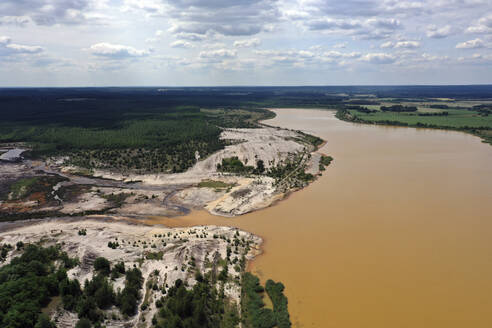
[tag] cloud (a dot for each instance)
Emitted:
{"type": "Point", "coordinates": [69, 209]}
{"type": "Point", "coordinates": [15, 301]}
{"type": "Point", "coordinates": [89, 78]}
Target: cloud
{"type": "Point", "coordinates": [343, 8]}
{"type": "Point", "coordinates": [14, 20]}
{"type": "Point", "coordinates": [401, 45]}
{"type": "Point", "coordinates": [439, 33]}
{"type": "Point", "coordinates": [385, 23]}
{"type": "Point", "coordinates": [48, 12]}
{"type": "Point", "coordinates": [181, 44]}
{"type": "Point", "coordinates": [366, 29]}
{"type": "Point", "coordinates": [230, 18]}
{"type": "Point", "coordinates": [116, 51]}
{"type": "Point", "coordinates": [249, 43]}
{"type": "Point", "coordinates": [287, 57]}
{"type": "Point", "coordinates": [191, 36]}
{"type": "Point", "coordinates": [378, 58]}
{"type": "Point", "coordinates": [332, 24]}
{"type": "Point", "coordinates": [337, 54]}
{"type": "Point", "coordinates": [476, 59]}
{"type": "Point", "coordinates": [484, 26]}
{"type": "Point", "coordinates": [340, 45]}
{"type": "Point", "coordinates": [218, 54]}
{"type": "Point", "coordinates": [303, 58]}
{"type": "Point", "coordinates": [150, 7]}
{"type": "Point", "coordinates": [8, 48]}
{"type": "Point", "coordinates": [471, 44]}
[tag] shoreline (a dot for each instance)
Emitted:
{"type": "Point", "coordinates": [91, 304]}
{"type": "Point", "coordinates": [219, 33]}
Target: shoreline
{"type": "Point", "coordinates": [341, 115]}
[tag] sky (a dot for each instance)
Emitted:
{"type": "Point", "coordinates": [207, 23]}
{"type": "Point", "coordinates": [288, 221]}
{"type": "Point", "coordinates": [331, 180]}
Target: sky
{"type": "Point", "coordinates": [244, 42]}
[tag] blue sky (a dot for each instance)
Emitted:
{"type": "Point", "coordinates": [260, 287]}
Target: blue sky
{"type": "Point", "coordinates": [244, 42]}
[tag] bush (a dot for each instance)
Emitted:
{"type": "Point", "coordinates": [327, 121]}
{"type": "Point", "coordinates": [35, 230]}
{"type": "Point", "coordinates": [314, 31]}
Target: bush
{"type": "Point", "coordinates": [102, 265]}
{"type": "Point", "coordinates": [44, 322]}
{"type": "Point", "coordinates": [83, 323]}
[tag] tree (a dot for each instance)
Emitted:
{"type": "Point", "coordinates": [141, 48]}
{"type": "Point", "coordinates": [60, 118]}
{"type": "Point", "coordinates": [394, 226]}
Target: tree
{"type": "Point", "coordinates": [102, 265]}
{"type": "Point", "coordinates": [83, 323]}
{"type": "Point", "coordinates": [104, 296]}
{"type": "Point", "coordinates": [44, 322]}
{"type": "Point", "coordinates": [260, 166]}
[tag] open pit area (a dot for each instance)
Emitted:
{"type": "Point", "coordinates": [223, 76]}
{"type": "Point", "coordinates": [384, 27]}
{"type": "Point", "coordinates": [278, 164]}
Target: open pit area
{"type": "Point", "coordinates": [163, 255]}
{"type": "Point", "coordinates": [51, 188]}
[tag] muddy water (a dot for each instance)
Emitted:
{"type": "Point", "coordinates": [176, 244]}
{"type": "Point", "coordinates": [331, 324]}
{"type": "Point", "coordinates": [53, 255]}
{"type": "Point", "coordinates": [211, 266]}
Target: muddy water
{"type": "Point", "coordinates": [397, 232]}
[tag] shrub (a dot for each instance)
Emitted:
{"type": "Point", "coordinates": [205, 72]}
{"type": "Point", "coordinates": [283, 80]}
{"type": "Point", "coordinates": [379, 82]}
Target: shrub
{"type": "Point", "coordinates": [102, 265]}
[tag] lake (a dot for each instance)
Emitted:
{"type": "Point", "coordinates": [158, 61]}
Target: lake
{"type": "Point", "coordinates": [396, 233]}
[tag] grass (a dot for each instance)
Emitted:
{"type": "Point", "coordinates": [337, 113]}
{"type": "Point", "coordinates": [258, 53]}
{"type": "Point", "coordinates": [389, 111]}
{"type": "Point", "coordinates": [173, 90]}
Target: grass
{"type": "Point", "coordinates": [465, 120]}
{"type": "Point", "coordinates": [22, 187]}
{"type": "Point", "coordinates": [26, 187]}
{"type": "Point", "coordinates": [456, 119]}
{"type": "Point", "coordinates": [117, 200]}
{"type": "Point", "coordinates": [214, 184]}
{"type": "Point", "coordinates": [155, 255]}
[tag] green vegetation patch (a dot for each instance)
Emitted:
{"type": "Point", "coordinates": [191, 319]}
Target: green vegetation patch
{"type": "Point", "coordinates": [276, 293]}
{"type": "Point", "coordinates": [203, 306]}
{"type": "Point", "coordinates": [22, 187]}
{"type": "Point", "coordinates": [234, 165]}
{"type": "Point", "coordinates": [468, 120]}
{"type": "Point", "coordinates": [324, 161]}
{"type": "Point", "coordinates": [154, 255]}
{"type": "Point", "coordinates": [25, 187]}
{"type": "Point", "coordinates": [28, 284]}
{"type": "Point", "coordinates": [117, 200]}
{"type": "Point", "coordinates": [214, 184]}
{"type": "Point", "coordinates": [461, 119]}
{"type": "Point", "coordinates": [254, 313]}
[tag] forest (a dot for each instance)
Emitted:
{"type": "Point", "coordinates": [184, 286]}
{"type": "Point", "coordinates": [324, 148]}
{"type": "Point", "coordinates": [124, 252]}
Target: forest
{"type": "Point", "coordinates": [37, 275]}
{"type": "Point", "coordinates": [145, 130]}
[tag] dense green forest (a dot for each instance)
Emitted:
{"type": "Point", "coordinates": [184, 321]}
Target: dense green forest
{"type": "Point", "coordinates": [138, 131]}
{"type": "Point", "coordinates": [165, 130]}
{"type": "Point", "coordinates": [29, 282]}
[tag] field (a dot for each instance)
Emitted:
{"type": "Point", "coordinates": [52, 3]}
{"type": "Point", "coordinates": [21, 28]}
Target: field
{"type": "Point", "coordinates": [455, 119]}
{"type": "Point", "coordinates": [472, 116]}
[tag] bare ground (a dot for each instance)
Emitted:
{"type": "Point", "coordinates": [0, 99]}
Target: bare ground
{"type": "Point", "coordinates": [205, 244]}
{"type": "Point", "coordinates": [169, 194]}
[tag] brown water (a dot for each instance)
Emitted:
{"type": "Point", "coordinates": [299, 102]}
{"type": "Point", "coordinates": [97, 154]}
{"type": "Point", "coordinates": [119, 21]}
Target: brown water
{"type": "Point", "coordinates": [397, 232]}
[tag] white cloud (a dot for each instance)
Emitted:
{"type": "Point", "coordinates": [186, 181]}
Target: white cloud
{"type": "Point", "coordinates": [337, 54]}
{"type": "Point", "coordinates": [8, 48]}
{"type": "Point", "coordinates": [181, 44]}
{"type": "Point", "coordinates": [49, 12]}
{"type": "Point", "coordinates": [401, 45]}
{"type": "Point", "coordinates": [14, 20]}
{"type": "Point", "coordinates": [249, 43]}
{"type": "Point", "coordinates": [388, 44]}
{"type": "Point", "coordinates": [484, 26]}
{"type": "Point", "coordinates": [385, 23]}
{"type": "Point", "coordinates": [471, 44]}
{"type": "Point", "coordinates": [327, 23]}
{"type": "Point", "coordinates": [218, 54]}
{"type": "Point", "coordinates": [191, 36]}
{"type": "Point", "coordinates": [476, 59]}
{"type": "Point", "coordinates": [231, 18]}
{"type": "Point", "coordinates": [116, 51]}
{"type": "Point", "coordinates": [378, 58]}
{"type": "Point", "coordinates": [439, 33]}
{"type": "Point", "coordinates": [340, 45]}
